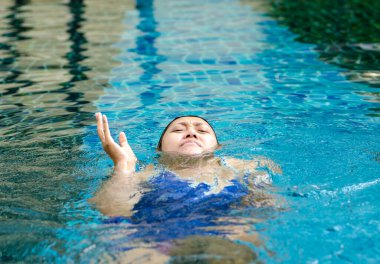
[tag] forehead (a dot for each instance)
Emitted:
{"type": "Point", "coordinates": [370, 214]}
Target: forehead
{"type": "Point", "coordinates": [189, 120]}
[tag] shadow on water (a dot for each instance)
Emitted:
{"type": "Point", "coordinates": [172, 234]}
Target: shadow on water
{"type": "Point", "coordinates": [346, 34]}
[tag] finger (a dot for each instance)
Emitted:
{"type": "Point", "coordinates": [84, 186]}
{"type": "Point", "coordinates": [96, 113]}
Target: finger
{"type": "Point", "coordinates": [106, 129]}
{"type": "Point", "coordinates": [123, 140]}
{"type": "Point", "coordinates": [100, 127]}
{"type": "Point", "coordinates": [124, 144]}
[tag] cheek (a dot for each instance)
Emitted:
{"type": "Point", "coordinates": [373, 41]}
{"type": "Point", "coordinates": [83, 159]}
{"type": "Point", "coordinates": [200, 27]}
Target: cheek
{"type": "Point", "coordinates": [170, 142]}
{"type": "Point", "coordinates": [210, 142]}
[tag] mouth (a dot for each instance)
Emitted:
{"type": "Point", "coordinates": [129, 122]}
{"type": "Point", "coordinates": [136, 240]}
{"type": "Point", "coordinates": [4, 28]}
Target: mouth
{"type": "Point", "coordinates": [190, 142]}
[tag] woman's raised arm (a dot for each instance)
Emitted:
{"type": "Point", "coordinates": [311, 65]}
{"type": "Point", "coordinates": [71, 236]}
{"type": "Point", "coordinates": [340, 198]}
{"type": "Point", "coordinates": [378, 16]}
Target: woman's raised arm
{"type": "Point", "coordinates": [123, 190]}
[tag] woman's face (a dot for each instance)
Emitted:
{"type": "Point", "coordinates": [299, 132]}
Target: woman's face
{"type": "Point", "coordinates": [189, 136]}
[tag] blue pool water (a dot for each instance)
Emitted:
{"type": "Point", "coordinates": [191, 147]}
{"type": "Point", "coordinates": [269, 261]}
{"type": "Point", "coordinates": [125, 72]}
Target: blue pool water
{"type": "Point", "coordinates": [228, 61]}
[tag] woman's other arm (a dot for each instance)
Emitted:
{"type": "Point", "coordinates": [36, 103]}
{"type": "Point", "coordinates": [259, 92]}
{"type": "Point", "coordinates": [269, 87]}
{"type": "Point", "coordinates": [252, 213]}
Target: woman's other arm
{"type": "Point", "coordinates": [257, 169]}
{"type": "Point", "coordinates": [253, 166]}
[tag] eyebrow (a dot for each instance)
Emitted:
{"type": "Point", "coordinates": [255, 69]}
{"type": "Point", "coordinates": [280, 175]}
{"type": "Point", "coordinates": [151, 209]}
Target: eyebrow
{"type": "Point", "coordinates": [195, 124]}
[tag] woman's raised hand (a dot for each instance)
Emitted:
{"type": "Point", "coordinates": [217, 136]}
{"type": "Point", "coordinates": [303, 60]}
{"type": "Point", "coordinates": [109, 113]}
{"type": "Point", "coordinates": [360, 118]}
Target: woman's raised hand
{"type": "Point", "coordinates": [122, 155]}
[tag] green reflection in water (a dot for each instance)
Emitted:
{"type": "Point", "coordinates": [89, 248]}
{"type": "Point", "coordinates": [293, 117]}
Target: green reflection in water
{"type": "Point", "coordinates": [346, 34]}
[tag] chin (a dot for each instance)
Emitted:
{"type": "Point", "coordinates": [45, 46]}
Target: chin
{"type": "Point", "coordinates": [191, 152]}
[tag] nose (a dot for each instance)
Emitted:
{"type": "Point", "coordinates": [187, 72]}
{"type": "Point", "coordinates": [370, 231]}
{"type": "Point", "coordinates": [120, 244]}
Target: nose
{"type": "Point", "coordinates": [191, 133]}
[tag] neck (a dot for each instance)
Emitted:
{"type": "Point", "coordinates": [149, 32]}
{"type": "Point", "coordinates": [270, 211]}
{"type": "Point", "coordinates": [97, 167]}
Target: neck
{"type": "Point", "coordinates": [175, 161]}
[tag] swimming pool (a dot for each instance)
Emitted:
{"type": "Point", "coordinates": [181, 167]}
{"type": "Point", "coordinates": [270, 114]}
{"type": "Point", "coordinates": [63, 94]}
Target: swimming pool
{"type": "Point", "coordinates": [265, 93]}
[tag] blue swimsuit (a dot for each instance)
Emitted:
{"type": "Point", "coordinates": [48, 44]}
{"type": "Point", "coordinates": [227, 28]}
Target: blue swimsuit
{"type": "Point", "coordinates": [173, 209]}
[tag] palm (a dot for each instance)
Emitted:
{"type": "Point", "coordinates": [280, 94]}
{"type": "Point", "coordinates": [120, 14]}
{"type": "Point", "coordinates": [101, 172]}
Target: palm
{"type": "Point", "coordinates": [121, 153]}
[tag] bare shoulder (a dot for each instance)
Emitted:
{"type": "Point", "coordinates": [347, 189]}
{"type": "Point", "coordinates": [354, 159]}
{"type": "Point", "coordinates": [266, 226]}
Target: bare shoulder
{"type": "Point", "coordinates": [253, 164]}
{"type": "Point", "coordinates": [139, 176]}
{"type": "Point", "coordinates": [146, 173]}
{"type": "Point", "coordinates": [240, 164]}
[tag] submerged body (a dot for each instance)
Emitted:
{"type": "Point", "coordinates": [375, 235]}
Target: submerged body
{"type": "Point", "coordinates": [191, 195]}
{"type": "Point", "coordinates": [120, 195]}
{"type": "Point", "coordinates": [175, 216]}
{"type": "Point", "coordinates": [170, 201]}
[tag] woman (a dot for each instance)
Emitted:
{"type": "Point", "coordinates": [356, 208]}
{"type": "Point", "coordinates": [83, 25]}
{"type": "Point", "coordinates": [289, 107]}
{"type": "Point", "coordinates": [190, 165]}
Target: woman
{"type": "Point", "coordinates": [190, 189]}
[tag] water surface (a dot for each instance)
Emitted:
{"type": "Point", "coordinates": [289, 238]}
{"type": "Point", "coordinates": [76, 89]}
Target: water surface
{"type": "Point", "coordinates": [229, 61]}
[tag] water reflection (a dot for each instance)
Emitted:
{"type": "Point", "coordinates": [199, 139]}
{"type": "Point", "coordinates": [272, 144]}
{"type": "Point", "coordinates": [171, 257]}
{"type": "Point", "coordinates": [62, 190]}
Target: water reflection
{"type": "Point", "coordinates": [75, 56]}
{"type": "Point", "coordinates": [345, 34]}
{"type": "Point", "coordinates": [145, 48]}
{"type": "Point", "coordinates": [16, 29]}
{"type": "Point", "coordinates": [50, 75]}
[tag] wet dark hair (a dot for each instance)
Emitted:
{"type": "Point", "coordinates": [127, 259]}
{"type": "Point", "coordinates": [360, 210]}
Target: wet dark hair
{"type": "Point", "coordinates": [159, 145]}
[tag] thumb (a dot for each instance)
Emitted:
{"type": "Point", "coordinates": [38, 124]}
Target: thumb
{"type": "Point", "coordinates": [123, 139]}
